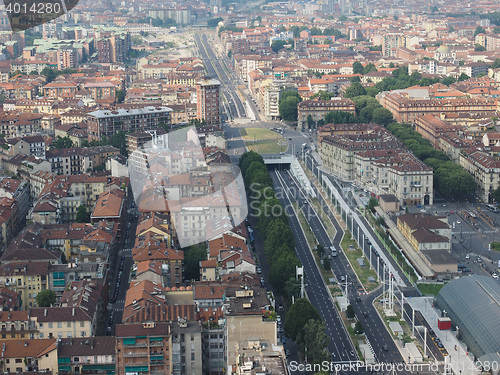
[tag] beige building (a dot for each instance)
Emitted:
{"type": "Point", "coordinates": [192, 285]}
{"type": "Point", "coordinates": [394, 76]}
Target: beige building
{"type": "Point", "coordinates": [61, 322]}
{"type": "Point", "coordinates": [26, 278]}
{"type": "Point", "coordinates": [29, 355]}
{"type": "Point", "coordinates": [338, 151]}
{"type": "Point", "coordinates": [318, 109]}
{"type": "Point", "coordinates": [425, 232]}
{"type": "Point", "coordinates": [486, 172]}
{"type": "Point", "coordinates": [245, 322]}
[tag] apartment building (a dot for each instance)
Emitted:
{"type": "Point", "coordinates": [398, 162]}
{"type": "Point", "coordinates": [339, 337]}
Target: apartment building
{"type": "Point", "coordinates": [208, 101]}
{"type": "Point", "coordinates": [318, 109]}
{"type": "Point", "coordinates": [474, 69]}
{"type": "Point", "coordinates": [139, 139]}
{"type": "Point", "coordinates": [106, 123]}
{"type": "Point", "coordinates": [144, 348]}
{"type": "Point", "coordinates": [15, 325]}
{"type": "Point", "coordinates": [432, 128]}
{"type": "Point", "coordinates": [96, 355]}
{"type": "Point", "coordinates": [271, 97]}
{"type": "Point", "coordinates": [59, 322]}
{"type": "Point", "coordinates": [396, 172]}
{"type": "Point", "coordinates": [20, 124]}
{"type": "Point", "coordinates": [19, 356]}
{"type": "Point", "coordinates": [337, 152]}
{"type": "Point", "coordinates": [486, 172]}
{"type": "Point", "coordinates": [26, 278]}
{"type": "Point", "coordinates": [60, 89]}
{"type": "Point", "coordinates": [406, 109]}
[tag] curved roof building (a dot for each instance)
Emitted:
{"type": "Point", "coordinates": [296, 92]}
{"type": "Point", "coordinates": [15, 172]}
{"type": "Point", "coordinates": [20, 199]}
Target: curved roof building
{"type": "Point", "coordinates": [473, 304]}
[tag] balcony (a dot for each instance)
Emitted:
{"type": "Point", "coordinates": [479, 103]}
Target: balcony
{"type": "Point", "coordinates": [135, 355]}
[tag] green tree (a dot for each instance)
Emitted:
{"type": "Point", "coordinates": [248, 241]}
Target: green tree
{"type": "Point", "coordinates": [310, 122]}
{"type": "Point", "coordinates": [479, 48]}
{"type": "Point", "coordinates": [120, 96]}
{"type": "Point", "coordinates": [382, 116]}
{"type": "Point", "coordinates": [372, 203]}
{"type": "Point", "coordinates": [320, 250]}
{"type": "Point", "coordinates": [448, 80]}
{"type": "Point", "coordinates": [463, 77]}
{"type": "Point", "coordinates": [193, 255]}
{"type": "Point", "coordinates": [370, 67]}
{"type": "Point", "coordinates": [119, 140]}
{"type": "Point", "coordinates": [213, 22]}
{"type": "Point", "coordinates": [356, 89]}
{"type": "Point", "coordinates": [315, 341]}
{"type": "Point", "coordinates": [288, 108]}
{"type": "Point", "coordinates": [49, 73]}
{"type": "Point", "coordinates": [326, 265]}
{"type": "Point", "coordinates": [297, 317]}
{"type": "Point", "coordinates": [496, 30]}
{"type": "Point", "coordinates": [82, 216]}
{"type": "Point", "coordinates": [61, 142]}
{"type": "Point", "coordinates": [496, 195]}
{"type": "Point", "coordinates": [496, 64]}
{"type": "Point", "coordinates": [349, 313]}
{"type": "Point", "coordinates": [277, 235]}
{"type": "Point", "coordinates": [357, 68]}
{"type": "Point", "coordinates": [358, 328]}
{"type": "Point", "coordinates": [278, 45]}
{"type": "Point", "coordinates": [247, 158]}
{"type": "Point", "coordinates": [45, 298]}
{"type": "Point", "coordinates": [282, 270]}
{"type": "Point", "coordinates": [479, 30]}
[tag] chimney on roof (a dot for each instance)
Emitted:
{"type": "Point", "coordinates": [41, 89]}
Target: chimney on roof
{"type": "Point", "coordinates": [45, 312]}
{"type": "Point", "coordinates": [73, 311]}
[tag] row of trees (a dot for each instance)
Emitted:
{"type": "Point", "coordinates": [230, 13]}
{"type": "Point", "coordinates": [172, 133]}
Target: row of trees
{"type": "Point", "coordinates": [450, 179]}
{"type": "Point", "coordinates": [279, 243]}
{"type": "Point", "coordinates": [399, 81]}
{"type": "Point", "coordinates": [303, 322]}
{"type": "Point", "coordinates": [304, 326]}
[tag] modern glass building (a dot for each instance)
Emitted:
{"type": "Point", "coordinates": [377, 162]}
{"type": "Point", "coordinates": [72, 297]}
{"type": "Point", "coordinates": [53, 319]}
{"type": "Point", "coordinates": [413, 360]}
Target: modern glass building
{"type": "Point", "coordinates": [473, 304]}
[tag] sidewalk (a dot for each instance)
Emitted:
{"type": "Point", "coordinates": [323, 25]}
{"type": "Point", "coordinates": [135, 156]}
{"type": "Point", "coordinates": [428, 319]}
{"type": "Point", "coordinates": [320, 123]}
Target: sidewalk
{"type": "Point", "coordinates": [458, 360]}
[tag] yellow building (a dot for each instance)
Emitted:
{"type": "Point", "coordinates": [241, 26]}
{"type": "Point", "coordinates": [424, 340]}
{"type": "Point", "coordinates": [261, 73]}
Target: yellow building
{"type": "Point", "coordinates": [14, 325]}
{"type": "Point", "coordinates": [29, 355]}
{"type": "Point", "coordinates": [61, 322]}
{"type": "Point", "coordinates": [26, 278]}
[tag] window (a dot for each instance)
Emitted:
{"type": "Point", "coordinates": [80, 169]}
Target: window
{"type": "Point", "coordinates": [50, 324]}
{"type": "Point", "coordinates": [82, 324]}
{"type": "Point", "coordinates": [68, 324]}
{"type": "Point", "coordinates": [59, 324]}
{"type": "Point", "coordinates": [19, 360]}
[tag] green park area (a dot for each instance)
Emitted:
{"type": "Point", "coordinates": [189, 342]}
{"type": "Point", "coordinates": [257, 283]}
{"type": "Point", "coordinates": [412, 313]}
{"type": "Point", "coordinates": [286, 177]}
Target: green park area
{"type": "Point", "coordinates": [263, 141]}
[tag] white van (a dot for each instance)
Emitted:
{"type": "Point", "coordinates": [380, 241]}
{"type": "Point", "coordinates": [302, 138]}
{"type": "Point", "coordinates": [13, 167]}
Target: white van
{"type": "Point", "coordinates": [333, 251]}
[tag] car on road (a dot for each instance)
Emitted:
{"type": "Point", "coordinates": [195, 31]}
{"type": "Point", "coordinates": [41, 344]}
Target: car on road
{"type": "Point", "coordinates": [287, 353]}
{"type": "Point", "coordinates": [358, 299]}
{"type": "Point", "coordinates": [385, 347]}
{"type": "Point", "coordinates": [108, 331]}
{"type": "Point", "coordinates": [283, 340]}
{"type": "Point", "coordinates": [365, 314]}
{"type": "Point", "coordinates": [278, 319]}
{"type": "Point", "coordinates": [259, 270]}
